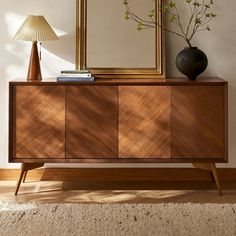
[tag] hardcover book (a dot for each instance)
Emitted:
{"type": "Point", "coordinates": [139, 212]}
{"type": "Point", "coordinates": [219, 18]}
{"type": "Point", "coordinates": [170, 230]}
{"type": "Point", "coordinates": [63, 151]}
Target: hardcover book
{"type": "Point", "coordinates": [74, 75]}
{"type": "Point", "coordinates": [75, 71]}
{"type": "Point", "coordinates": [75, 79]}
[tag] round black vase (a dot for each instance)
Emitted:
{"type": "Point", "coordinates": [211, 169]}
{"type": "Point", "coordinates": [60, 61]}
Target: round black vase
{"type": "Point", "coordinates": [191, 62]}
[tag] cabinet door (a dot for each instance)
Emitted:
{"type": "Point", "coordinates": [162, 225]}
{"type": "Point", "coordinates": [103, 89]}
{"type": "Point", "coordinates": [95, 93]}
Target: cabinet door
{"type": "Point", "coordinates": [39, 122]}
{"type": "Point", "coordinates": [144, 122]}
{"type": "Point", "coordinates": [198, 122]}
{"type": "Point", "coordinates": [92, 122]}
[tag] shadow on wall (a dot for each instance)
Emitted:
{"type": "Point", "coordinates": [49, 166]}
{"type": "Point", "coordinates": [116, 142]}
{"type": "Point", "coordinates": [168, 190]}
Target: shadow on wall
{"type": "Point", "coordinates": [14, 55]}
{"type": "Point", "coordinates": [62, 51]}
{"type": "Point", "coordinates": [220, 47]}
{"type": "Point", "coordinates": [219, 44]}
{"type": "Point", "coordinates": [58, 47]}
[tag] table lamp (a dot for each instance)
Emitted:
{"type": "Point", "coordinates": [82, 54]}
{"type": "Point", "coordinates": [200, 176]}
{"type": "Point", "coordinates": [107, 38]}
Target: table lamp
{"type": "Point", "coordinates": [35, 29]}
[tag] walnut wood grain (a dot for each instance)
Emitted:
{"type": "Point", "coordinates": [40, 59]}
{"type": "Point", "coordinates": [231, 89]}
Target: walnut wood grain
{"type": "Point", "coordinates": [92, 122]}
{"type": "Point", "coordinates": [40, 122]}
{"type": "Point", "coordinates": [35, 138]}
{"type": "Point", "coordinates": [210, 81]}
{"type": "Point", "coordinates": [198, 122]}
{"type": "Point", "coordinates": [121, 160]}
{"type": "Point", "coordinates": [144, 122]}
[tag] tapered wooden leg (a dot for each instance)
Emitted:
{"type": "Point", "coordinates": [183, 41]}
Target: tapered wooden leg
{"type": "Point", "coordinates": [212, 177]}
{"type": "Point", "coordinates": [214, 172]}
{"type": "Point", "coordinates": [24, 169]}
{"type": "Point", "coordinates": [22, 172]}
{"type": "Point", "coordinates": [24, 176]}
{"type": "Point", "coordinates": [212, 169]}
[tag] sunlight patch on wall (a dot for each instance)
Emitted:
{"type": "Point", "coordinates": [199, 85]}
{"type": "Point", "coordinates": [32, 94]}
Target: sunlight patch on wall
{"type": "Point", "coordinates": [51, 64]}
{"type": "Point", "coordinates": [13, 22]}
{"type": "Point", "coordinates": [59, 32]}
{"type": "Point", "coordinates": [21, 52]}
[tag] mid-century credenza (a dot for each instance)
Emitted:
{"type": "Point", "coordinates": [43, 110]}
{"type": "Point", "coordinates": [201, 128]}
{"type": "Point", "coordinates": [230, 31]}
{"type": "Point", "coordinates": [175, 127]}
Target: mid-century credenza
{"type": "Point", "coordinates": [119, 121]}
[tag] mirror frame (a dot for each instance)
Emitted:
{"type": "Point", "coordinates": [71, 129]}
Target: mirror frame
{"type": "Point", "coordinates": [158, 72]}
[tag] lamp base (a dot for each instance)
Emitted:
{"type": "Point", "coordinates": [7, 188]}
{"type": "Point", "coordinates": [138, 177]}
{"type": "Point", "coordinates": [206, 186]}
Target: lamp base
{"type": "Point", "coordinates": [34, 71]}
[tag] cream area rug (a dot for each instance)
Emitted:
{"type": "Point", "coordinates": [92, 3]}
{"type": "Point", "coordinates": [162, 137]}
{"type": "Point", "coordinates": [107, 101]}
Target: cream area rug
{"type": "Point", "coordinates": [117, 219]}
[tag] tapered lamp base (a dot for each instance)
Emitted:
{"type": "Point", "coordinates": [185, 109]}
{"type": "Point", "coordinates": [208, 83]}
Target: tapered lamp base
{"type": "Point", "coordinates": [34, 71]}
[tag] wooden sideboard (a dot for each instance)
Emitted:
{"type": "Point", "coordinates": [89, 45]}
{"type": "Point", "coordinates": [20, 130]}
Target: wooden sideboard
{"type": "Point", "coordinates": [119, 121]}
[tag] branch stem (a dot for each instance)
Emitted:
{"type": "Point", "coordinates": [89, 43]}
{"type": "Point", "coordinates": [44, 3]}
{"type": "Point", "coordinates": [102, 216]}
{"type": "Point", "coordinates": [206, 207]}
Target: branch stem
{"type": "Point", "coordinates": [199, 18]}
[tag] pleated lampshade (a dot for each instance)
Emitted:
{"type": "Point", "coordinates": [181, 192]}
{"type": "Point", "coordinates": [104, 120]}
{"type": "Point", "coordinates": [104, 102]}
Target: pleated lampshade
{"type": "Point", "coordinates": [35, 28]}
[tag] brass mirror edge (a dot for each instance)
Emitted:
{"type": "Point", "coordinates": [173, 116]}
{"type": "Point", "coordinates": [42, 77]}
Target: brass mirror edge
{"type": "Point", "coordinates": [80, 26]}
{"type": "Point", "coordinates": [136, 73]}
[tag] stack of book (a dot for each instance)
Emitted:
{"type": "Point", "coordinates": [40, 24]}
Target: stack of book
{"type": "Point", "coordinates": [75, 76]}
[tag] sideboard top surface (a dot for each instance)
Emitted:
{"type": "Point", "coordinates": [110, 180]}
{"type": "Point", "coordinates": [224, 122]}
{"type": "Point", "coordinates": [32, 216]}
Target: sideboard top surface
{"type": "Point", "coordinates": [158, 82]}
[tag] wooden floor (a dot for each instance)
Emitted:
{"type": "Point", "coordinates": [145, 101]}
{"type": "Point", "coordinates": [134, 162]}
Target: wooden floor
{"type": "Point", "coordinates": [118, 192]}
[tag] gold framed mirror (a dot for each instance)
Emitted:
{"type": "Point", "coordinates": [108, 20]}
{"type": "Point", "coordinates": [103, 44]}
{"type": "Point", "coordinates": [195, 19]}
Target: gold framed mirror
{"type": "Point", "coordinates": [111, 47]}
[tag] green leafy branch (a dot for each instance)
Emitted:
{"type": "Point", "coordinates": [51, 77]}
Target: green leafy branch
{"type": "Point", "coordinates": [200, 17]}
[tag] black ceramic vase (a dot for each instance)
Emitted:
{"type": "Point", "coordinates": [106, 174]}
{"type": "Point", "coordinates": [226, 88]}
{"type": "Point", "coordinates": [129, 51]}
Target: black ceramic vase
{"type": "Point", "coordinates": [191, 62]}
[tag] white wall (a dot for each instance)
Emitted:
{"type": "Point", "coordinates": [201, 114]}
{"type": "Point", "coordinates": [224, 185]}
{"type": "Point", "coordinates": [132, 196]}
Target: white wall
{"type": "Point", "coordinates": [14, 55]}
{"type": "Point", "coordinates": [219, 45]}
